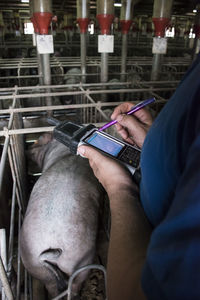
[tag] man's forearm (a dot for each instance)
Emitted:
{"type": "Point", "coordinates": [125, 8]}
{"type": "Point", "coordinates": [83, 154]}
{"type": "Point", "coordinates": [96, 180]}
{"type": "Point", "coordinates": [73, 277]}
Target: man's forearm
{"type": "Point", "coordinates": [129, 238]}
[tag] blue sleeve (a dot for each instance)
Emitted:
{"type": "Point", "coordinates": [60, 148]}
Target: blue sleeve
{"type": "Point", "coordinates": [172, 268]}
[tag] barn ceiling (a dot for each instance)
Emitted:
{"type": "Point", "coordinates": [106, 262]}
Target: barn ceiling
{"type": "Point", "coordinates": [144, 7]}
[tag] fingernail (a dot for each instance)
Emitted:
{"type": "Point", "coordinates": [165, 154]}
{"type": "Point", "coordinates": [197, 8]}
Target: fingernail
{"type": "Point", "coordinates": [81, 150]}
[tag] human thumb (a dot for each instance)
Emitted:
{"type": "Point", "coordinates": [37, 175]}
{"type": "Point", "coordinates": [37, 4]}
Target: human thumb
{"type": "Point", "coordinates": [88, 152]}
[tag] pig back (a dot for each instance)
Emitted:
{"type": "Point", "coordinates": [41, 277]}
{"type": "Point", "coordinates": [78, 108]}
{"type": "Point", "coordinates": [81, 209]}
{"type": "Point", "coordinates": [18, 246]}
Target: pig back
{"type": "Point", "coordinates": [62, 216]}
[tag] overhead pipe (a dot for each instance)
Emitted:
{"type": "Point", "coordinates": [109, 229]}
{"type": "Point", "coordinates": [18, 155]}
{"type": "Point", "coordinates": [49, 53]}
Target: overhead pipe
{"type": "Point", "coordinates": [161, 19]}
{"type": "Point", "coordinates": [83, 21]}
{"type": "Point", "coordinates": [105, 17]}
{"type": "Point", "coordinates": [126, 21]}
{"type": "Point", "coordinates": [42, 16]}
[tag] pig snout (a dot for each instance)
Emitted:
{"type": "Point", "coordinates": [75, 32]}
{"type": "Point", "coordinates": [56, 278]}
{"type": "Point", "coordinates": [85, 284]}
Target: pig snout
{"type": "Point", "coordinates": [59, 231]}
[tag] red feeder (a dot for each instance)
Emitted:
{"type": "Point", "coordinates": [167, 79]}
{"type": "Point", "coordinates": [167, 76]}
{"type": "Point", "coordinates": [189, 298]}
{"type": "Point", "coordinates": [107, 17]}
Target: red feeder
{"type": "Point", "coordinates": [83, 24]}
{"type": "Point", "coordinates": [125, 24]}
{"type": "Point", "coordinates": [160, 25]}
{"type": "Point", "coordinates": [43, 20]}
{"type": "Point", "coordinates": [36, 29]}
{"type": "Point", "coordinates": [105, 22]}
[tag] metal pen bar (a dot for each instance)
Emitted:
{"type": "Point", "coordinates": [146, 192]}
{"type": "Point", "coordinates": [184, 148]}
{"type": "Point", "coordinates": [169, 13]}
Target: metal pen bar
{"type": "Point", "coordinates": [18, 258]}
{"type": "Point", "coordinates": [12, 224]}
{"type": "Point", "coordinates": [6, 144]}
{"type": "Point", "coordinates": [4, 281]}
{"type": "Point", "coordinates": [3, 254]}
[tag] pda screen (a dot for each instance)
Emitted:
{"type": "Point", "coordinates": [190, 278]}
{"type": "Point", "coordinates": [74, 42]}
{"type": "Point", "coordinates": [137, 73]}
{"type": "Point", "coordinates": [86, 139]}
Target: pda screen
{"type": "Point", "coordinates": [105, 143]}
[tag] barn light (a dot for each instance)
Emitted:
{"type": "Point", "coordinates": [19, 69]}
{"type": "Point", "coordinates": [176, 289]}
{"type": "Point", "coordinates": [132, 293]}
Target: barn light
{"type": "Point", "coordinates": [117, 4]}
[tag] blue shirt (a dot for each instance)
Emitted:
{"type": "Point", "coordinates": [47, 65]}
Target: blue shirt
{"type": "Point", "coordinates": [170, 195]}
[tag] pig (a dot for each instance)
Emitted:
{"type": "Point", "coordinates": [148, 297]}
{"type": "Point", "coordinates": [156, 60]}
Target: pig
{"type": "Point", "coordinates": [59, 230]}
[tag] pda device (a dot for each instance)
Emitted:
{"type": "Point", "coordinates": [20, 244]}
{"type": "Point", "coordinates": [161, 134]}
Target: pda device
{"type": "Point", "coordinates": [73, 135]}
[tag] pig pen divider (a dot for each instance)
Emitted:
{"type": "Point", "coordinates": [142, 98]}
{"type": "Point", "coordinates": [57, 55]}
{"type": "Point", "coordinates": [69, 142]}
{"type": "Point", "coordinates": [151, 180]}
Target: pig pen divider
{"type": "Point", "coordinates": [20, 125]}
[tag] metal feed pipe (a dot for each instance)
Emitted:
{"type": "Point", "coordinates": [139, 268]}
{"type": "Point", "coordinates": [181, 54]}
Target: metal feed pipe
{"type": "Point", "coordinates": [42, 14]}
{"type": "Point", "coordinates": [161, 18]}
{"type": "Point", "coordinates": [105, 16]}
{"type": "Point", "coordinates": [126, 21]}
{"type": "Point", "coordinates": [83, 21]}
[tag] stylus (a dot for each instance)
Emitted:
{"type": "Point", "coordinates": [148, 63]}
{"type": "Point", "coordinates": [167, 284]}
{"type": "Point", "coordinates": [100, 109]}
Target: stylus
{"type": "Point", "coordinates": [133, 109]}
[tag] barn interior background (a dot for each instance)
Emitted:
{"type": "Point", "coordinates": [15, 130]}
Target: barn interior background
{"type": "Point", "coordinates": [77, 60]}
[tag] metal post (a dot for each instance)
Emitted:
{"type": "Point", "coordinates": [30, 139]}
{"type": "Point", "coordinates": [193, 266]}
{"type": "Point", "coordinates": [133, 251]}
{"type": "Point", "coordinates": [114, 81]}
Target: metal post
{"type": "Point", "coordinates": [47, 77]}
{"type": "Point", "coordinates": [104, 72]}
{"type": "Point", "coordinates": [161, 18]}
{"type": "Point", "coordinates": [42, 15]}
{"type": "Point", "coordinates": [83, 56]}
{"type": "Point", "coordinates": [126, 21]}
{"type": "Point", "coordinates": [105, 16]}
{"type": "Point", "coordinates": [104, 67]}
{"type": "Point", "coordinates": [39, 60]}
{"type": "Point", "coordinates": [124, 57]}
{"type": "Point", "coordinates": [156, 66]}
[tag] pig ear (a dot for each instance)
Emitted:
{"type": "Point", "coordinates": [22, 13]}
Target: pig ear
{"type": "Point", "coordinates": [37, 151]}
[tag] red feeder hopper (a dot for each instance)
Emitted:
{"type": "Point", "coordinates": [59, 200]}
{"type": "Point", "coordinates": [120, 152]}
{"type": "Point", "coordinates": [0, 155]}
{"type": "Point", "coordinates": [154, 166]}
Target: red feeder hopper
{"type": "Point", "coordinates": [43, 21]}
{"type": "Point", "coordinates": [160, 25]}
{"type": "Point", "coordinates": [36, 29]}
{"type": "Point", "coordinates": [105, 22]}
{"type": "Point", "coordinates": [83, 24]}
{"type": "Point", "coordinates": [125, 24]}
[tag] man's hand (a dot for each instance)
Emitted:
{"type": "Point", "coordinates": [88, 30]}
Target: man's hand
{"type": "Point", "coordinates": [112, 175]}
{"type": "Point", "coordinates": [132, 128]}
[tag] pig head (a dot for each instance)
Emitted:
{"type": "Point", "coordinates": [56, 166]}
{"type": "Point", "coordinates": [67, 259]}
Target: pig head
{"type": "Point", "coordinates": [60, 226]}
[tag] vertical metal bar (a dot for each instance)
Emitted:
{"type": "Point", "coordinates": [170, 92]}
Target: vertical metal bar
{"type": "Point", "coordinates": [104, 73]}
{"type": "Point", "coordinates": [25, 285]}
{"type": "Point", "coordinates": [18, 258]}
{"type": "Point", "coordinates": [19, 155]}
{"type": "Point", "coordinates": [156, 66]}
{"type": "Point", "coordinates": [13, 176]}
{"type": "Point", "coordinates": [40, 68]}
{"type": "Point", "coordinates": [83, 56]}
{"type": "Point", "coordinates": [39, 61]}
{"type": "Point", "coordinates": [30, 287]}
{"type": "Point", "coordinates": [3, 254]}
{"type": "Point", "coordinates": [12, 224]}
{"type": "Point", "coordinates": [21, 204]}
{"type": "Point", "coordinates": [6, 144]}
{"type": "Point", "coordinates": [124, 57]}
{"type": "Point", "coordinates": [3, 159]}
{"type": "Point", "coordinates": [104, 67]}
{"type": "Point", "coordinates": [4, 281]}
{"type": "Point", "coordinates": [47, 78]}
